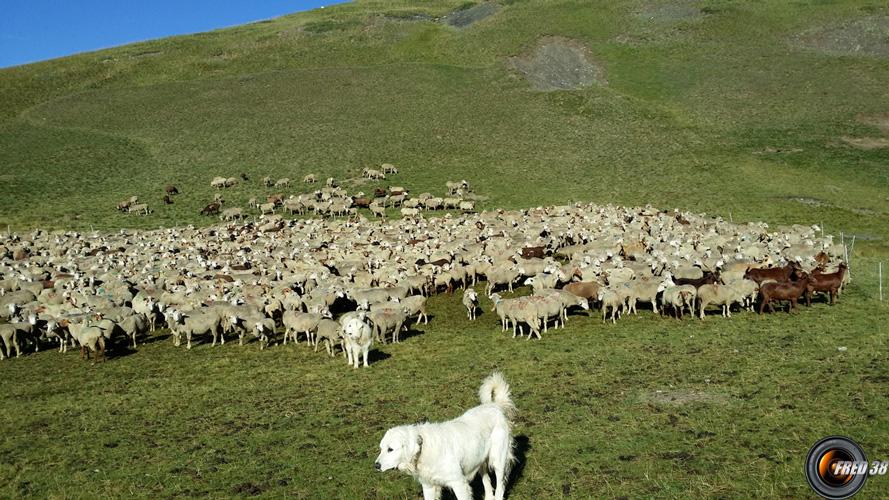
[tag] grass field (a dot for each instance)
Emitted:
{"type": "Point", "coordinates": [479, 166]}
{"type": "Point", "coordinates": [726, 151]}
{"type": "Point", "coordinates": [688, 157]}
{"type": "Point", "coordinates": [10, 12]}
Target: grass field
{"type": "Point", "coordinates": [761, 110]}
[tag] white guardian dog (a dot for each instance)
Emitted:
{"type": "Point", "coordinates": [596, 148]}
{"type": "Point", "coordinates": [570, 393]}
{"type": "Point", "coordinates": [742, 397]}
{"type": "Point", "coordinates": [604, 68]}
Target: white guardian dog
{"type": "Point", "coordinates": [449, 454]}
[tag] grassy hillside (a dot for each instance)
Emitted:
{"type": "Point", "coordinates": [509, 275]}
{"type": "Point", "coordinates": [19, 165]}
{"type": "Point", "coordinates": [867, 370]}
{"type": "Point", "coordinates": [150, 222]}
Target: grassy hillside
{"type": "Point", "coordinates": [767, 110]}
{"type": "Point", "coordinates": [716, 106]}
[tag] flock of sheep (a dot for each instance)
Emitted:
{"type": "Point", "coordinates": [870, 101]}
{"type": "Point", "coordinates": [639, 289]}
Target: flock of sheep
{"type": "Point", "coordinates": [329, 200]}
{"type": "Point", "coordinates": [348, 283]}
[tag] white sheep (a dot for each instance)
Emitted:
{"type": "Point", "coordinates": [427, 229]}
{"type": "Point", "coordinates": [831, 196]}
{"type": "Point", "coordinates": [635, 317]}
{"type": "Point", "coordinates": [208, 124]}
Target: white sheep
{"type": "Point", "coordinates": [679, 298]}
{"type": "Point", "coordinates": [299, 322]}
{"type": "Point", "coordinates": [140, 208]}
{"type": "Point", "coordinates": [470, 302]}
{"type": "Point", "coordinates": [415, 304]}
{"type": "Point", "coordinates": [610, 299]}
{"type": "Point", "coordinates": [267, 208]}
{"type": "Point", "coordinates": [328, 331]}
{"type": "Point", "coordinates": [194, 323]}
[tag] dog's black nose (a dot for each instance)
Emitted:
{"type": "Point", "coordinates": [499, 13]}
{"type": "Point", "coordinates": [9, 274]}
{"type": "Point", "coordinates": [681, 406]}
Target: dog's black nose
{"type": "Point", "coordinates": [377, 466]}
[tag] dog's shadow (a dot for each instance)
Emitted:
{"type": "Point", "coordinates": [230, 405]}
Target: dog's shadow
{"type": "Point", "coordinates": [522, 445]}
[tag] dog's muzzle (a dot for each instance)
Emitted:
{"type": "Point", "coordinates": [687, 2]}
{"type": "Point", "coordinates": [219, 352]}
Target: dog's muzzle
{"type": "Point", "coordinates": [377, 466]}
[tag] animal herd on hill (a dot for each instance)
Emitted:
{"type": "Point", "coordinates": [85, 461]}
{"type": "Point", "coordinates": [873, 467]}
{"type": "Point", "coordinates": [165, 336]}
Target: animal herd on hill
{"type": "Point", "coordinates": [343, 284]}
{"type": "Point", "coordinates": [330, 200]}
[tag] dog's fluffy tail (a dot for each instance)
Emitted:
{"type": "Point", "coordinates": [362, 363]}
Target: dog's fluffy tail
{"type": "Point", "coordinates": [495, 389]}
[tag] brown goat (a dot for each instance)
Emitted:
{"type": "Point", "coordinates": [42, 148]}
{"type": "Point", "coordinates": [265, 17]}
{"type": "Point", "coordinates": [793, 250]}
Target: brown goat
{"type": "Point", "coordinates": [828, 283]}
{"type": "Point", "coordinates": [211, 209]}
{"type": "Point", "coordinates": [533, 252]}
{"type": "Point", "coordinates": [788, 290]}
{"type": "Point", "coordinates": [778, 274]}
{"type": "Point", "coordinates": [707, 279]}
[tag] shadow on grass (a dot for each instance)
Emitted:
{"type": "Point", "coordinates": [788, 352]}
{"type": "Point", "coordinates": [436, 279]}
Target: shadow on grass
{"type": "Point", "coordinates": [376, 356]}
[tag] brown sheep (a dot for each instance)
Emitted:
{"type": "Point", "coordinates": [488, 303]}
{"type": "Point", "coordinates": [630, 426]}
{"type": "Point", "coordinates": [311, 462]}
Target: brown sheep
{"type": "Point", "coordinates": [211, 209]}
{"type": "Point", "coordinates": [171, 189]}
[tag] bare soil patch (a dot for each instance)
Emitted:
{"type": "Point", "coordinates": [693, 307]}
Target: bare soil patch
{"type": "Point", "coordinates": [559, 64]}
{"type": "Point", "coordinates": [878, 120]}
{"type": "Point", "coordinates": [669, 12]}
{"type": "Point", "coordinates": [865, 36]}
{"type": "Point", "coordinates": [866, 143]}
{"type": "Point", "coordinates": [679, 397]}
{"type": "Point", "coordinates": [463, 18]}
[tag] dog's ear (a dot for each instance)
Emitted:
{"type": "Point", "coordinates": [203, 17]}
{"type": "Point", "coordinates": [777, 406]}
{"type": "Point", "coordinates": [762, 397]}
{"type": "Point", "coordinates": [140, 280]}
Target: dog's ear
{"type": "Point", "coordinates": [413, 448]}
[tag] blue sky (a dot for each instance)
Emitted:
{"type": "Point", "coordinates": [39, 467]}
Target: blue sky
{"type": "Point", "coordinates": [34, 30]}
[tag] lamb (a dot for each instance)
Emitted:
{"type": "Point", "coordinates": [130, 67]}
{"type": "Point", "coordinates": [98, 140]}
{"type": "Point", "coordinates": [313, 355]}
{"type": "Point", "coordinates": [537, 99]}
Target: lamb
{"type": "Point", "coordinates": [470, 302]}
{"type": "Point", "coordinates": [358, 339]}
{"type": "Point", "coordinates": [282, 182]}
{"type": "Point", "coordinates": [329, 331]}
{"type": "Point", "coordinates": [262, 329]}
{"type": "Point", "coordinates": [267, 181]}
{"type": "Point", "coordinates": [388, 168]}
{"type": "Point", "coordinates": [295, 322]}
{"type": "Point", "coordinates": [194, 323]}
{"type": "Point", "coordinates": [610, 299]}
{"type": "Point", "coordinates": [310, 179]}
{"type": "Point", "coordinates": [387, 319]}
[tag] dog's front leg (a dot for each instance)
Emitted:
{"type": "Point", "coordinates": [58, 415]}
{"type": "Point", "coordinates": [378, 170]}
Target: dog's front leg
{"type": "Point", "coordinates": [431, 492]}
